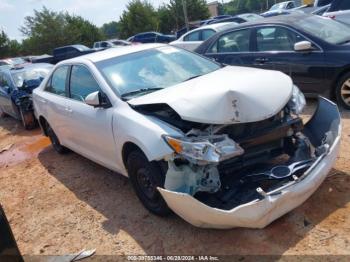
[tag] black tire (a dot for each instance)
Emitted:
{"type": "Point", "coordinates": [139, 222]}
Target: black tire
{"type": "Point", "coordinates": [145, 177]}
{"type": "Point", "coordinates": [342, 91]}
{"type": "Point", "coordinates": [55, 141]}
{"type": "Point", "coordinates": [28, 119]}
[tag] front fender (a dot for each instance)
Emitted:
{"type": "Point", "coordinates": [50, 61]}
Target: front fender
{"type": "Point", "coordinates": [144, 131]}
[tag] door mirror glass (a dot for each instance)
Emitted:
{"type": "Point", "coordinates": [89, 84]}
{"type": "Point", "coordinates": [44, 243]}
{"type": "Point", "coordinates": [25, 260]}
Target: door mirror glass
{"type": "Point", "coordinates": [93, 99]}
{"type": "Point", "coordinates": [303, 46]}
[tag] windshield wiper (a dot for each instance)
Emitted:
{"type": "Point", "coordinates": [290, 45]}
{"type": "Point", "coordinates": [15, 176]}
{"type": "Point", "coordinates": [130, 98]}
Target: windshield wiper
{"type": "Point", "coordinates": [140, 91]}
{"type": "Point", "coordinates": [192, 77]}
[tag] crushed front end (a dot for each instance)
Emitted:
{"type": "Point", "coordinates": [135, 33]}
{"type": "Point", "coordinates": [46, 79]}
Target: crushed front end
{"type": "Point", "coordinates": [249, 174]}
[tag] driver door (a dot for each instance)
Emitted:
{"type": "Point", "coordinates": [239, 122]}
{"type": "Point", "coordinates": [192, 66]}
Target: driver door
{"type": "Point", "coordinates": [273, 48]}
{"type": "Point", "coordinates": [90, 128]}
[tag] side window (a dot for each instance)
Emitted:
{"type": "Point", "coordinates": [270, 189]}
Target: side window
{"type": "Point", "coordinates": [290, 5]}
{"type": "Point", "coordinates": [57, 83]}
{"type": "Point", "coordinates": [195, 36]}
{"type": "Point", "coordinates": [206, 34]}
{"type": "Point", "coordinates": [82, 83]}
{"type": "Point", "coordinates": [276, 39]}
{"type": "Point", "coordinates": [236, 41]}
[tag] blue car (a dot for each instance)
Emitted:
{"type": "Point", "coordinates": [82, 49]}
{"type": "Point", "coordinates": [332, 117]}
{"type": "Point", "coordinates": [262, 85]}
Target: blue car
{"type": "Point", "coordinates": [153, 37]}
{"type": "Point", "coordinates": [16, 87]}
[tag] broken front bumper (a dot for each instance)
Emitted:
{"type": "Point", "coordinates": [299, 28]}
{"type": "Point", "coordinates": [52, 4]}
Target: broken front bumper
{"type": "Point", "coordinates": [261, 212]}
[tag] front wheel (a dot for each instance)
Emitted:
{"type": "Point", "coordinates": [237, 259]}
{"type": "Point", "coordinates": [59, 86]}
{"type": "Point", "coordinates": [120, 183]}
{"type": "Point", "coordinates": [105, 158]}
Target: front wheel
{"type": "Point", "coordinates": [343, 91]}
{"type": "Point", "coordinates": [145, 177]}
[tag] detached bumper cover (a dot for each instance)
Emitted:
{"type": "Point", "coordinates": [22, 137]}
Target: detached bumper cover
{"type": "Point", "coordinates": [260, 213]}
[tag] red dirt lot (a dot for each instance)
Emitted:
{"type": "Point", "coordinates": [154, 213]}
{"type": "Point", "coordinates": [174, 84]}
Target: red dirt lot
{"type": "Point", "coordinates": [60, 204]}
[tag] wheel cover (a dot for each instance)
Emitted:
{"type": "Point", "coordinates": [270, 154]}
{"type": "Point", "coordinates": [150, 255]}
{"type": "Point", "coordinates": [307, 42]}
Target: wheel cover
{"type": "Point", "coordinates": [146, 184]}
{"type": "Point", "coordinates": [345, 92]}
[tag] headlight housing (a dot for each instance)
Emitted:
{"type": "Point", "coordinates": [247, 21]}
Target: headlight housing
{"type": "Point", "coordinates": [204, 149]}
{"type": "Point", "coordinates": [297, 102]}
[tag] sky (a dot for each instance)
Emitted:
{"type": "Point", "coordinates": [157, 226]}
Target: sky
{"type": "Point", "coordinates": [12, 12]}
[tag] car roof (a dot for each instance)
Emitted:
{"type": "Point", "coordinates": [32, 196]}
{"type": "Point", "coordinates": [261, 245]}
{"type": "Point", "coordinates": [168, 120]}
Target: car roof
{"type": "Point", "coordinates": [211, 26]}
{"type": "Point", "coordinates": [112, 52]}
{"type": "Point", "coordinates": [288, 19]}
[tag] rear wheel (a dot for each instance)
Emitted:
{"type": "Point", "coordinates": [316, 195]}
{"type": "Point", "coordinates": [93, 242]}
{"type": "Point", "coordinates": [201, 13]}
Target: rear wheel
{"type": "Point", "coordinates": [343, 91]}
{"type": "Point", "coordinates": [145, 177]}
{"type": "Point", "coordinates": [54, 140]}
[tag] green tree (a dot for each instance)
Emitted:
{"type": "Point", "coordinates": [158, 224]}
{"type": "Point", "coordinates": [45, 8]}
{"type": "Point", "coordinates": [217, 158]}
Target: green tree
{"type": "Point", "coordinates": [196, 10]}
{"type": "Point", "coordinates": [110, 30]}
{"type": "Point", "coordinates": [166, 19]}
{"type": "Point", "coordinates": [138, 17]}
{"type": "Point", "coordinates": [46, 30]}
{"type": "Point", "coordinates": [80, 31]}
{"type": "Point", "coordinates": [4, 44]}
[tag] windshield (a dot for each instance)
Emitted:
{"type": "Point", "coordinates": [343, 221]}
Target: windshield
{"type": "Point", "coordinates": [32, 73]}
{"type": "Point", "coordinates": [326, 29]}
{"type": "Point", "coordinates": [153, 69]}
{"type": "Point", "coordinates": [277, 6]}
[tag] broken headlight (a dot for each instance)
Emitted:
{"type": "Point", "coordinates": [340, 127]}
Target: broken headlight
{"type": "Point", "coordinates": [297, 103]}
{"type": "Point", "coordinates": [204, 149]}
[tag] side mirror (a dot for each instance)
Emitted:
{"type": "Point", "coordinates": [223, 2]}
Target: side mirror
{"type": "Point", "coordinates": [97, 99]}
{"type": "Point", "coordinates": [303, 46]}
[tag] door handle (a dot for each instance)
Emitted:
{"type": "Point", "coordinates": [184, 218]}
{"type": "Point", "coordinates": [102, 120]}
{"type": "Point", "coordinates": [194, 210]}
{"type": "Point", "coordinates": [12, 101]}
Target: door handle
{"type": "Point", "coordinates": [261, 60]}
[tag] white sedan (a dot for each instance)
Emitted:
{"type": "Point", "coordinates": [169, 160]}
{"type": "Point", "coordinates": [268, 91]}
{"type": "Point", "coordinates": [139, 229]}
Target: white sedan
{"type": "Point", "coordinates": [221, 146]}
{"type": "Point", "coordinates": [192, 39]}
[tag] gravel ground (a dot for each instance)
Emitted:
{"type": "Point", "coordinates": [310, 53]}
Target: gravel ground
{"type": "Point", "coordinates": [61, 204]}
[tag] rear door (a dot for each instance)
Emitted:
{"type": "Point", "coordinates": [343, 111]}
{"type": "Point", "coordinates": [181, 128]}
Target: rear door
{"type": "Point", "coordinates": [232, 48]}
{"type": "Point", "coordinates": [273, 48]}
{"type": "Point", "coordinates": [89, 128]}
{"type": "Point", "coordinates": [53, 102]}
{"type": "Point", "coordinates": [191, 41]}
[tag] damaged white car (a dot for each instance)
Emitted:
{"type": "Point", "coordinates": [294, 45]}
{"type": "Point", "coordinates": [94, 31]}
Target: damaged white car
{"type": "Point", "coordinates": [221, 146]}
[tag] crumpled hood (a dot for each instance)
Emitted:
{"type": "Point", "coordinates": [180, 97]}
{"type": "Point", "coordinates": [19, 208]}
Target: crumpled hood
{"type": "Point", "coordinates": [228, 95]}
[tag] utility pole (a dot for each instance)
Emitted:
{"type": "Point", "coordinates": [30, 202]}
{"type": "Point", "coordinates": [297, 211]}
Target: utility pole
{"type": "Point", "coordinates": [184, 6]}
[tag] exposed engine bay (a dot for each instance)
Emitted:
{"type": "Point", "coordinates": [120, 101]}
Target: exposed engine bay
{"type": "Point", "coordinates": [224, 166]}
